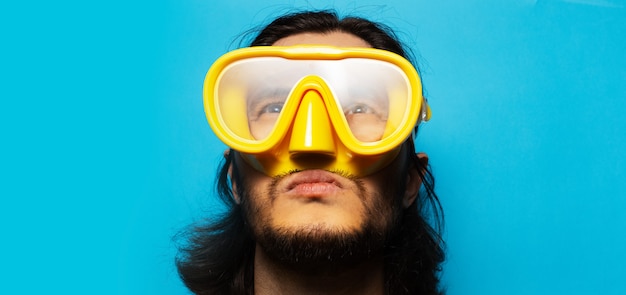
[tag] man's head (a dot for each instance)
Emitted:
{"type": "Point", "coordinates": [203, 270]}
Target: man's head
{"type": "Point", "coordinates": [318, 163]}
{"type": "Point", "coordinates": [319, 214]}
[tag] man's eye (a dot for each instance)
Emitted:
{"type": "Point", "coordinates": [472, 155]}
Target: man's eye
{"type": "Point", "coordinates": [272, 108]}
{"type": "Point", "coordinates": [358, 109]}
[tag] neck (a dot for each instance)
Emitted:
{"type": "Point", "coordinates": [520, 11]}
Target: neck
{"type": "Point", "coordinates": [272, 277]}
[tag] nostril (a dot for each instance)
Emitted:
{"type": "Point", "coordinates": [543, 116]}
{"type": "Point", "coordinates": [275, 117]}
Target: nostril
{"type": "Point", "coordinates": [312, 160]}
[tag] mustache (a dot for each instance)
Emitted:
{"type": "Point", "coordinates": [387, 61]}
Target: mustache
{"type": "Point", "coordinates": [339, 172]}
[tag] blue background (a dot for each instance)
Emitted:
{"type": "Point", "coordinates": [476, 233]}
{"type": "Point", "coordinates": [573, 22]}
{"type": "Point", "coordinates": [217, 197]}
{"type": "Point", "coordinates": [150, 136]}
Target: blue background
{"type": "Point", "coordinates": [106, 153]}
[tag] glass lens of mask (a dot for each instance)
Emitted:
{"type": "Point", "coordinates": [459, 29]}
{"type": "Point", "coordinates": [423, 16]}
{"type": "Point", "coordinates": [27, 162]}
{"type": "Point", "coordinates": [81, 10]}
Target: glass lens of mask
{"type": "Point", "coordinates": [371, 95]}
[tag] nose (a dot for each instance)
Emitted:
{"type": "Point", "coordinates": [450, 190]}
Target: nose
{"type": "Point", "coordinates": [312, 132]}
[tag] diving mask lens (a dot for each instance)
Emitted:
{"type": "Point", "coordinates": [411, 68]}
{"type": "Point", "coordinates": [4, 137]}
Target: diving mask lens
{"type": "Point", "coordinates": [369, 97]}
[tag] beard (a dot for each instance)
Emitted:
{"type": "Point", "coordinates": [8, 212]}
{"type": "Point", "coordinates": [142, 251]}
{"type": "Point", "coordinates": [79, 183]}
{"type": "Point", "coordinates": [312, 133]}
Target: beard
{"type": "Point", "coordinates": [319, 245]}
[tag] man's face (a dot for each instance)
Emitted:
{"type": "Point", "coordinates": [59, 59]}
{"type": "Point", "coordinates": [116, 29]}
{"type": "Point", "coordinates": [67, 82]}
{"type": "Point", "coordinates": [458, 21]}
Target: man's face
{"type": "Point", "coordinates": [327, 214]}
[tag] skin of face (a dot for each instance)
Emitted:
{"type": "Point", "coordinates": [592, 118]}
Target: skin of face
{"type": "Point", "coordinates": [320, 201]}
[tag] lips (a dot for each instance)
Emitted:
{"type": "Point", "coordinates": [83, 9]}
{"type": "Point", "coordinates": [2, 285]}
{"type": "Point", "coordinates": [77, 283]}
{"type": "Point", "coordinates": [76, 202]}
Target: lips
{"type": "Point", "coordinates": [310, 183]}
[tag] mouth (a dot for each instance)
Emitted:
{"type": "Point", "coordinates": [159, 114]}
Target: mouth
{"type": "Point", "coordinates": [313, 183]}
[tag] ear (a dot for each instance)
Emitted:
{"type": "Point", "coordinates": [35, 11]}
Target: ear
{"type": "Point", "coordinates": [414, 181]}
{"type": "Point", "coordinates": [230, 176]}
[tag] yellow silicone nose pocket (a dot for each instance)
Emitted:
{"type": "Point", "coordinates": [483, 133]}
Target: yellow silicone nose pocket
{"type": "Point", "coordinates": [312, 131]}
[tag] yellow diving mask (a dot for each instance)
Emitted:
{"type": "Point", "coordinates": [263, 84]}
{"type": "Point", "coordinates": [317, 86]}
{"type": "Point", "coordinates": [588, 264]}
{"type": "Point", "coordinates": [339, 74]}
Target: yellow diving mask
{"type": "Point", "coordinates": [314, 107]}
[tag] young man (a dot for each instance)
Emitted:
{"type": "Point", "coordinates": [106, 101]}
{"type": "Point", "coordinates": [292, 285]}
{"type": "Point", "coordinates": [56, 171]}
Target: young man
{"type": "Point", "coordinates": [324, 192]}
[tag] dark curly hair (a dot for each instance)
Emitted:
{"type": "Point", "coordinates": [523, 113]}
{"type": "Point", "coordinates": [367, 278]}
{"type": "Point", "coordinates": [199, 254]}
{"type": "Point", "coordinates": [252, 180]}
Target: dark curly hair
{"type": "Point", "coordinates": [217, 257]}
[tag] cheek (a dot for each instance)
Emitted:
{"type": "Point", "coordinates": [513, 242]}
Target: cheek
{"type": "Point", "coordinates": [387, 189]}
{"type": "Point", "coordinates": [253, 192]}
{"type": "Point", "coordinates": [382, 210]}
{"type": "Point", "coordinates": [256, 210]}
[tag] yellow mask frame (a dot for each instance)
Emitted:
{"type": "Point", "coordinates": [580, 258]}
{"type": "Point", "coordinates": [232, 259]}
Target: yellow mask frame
{"type": "Point", "coordinates": [309, 123]}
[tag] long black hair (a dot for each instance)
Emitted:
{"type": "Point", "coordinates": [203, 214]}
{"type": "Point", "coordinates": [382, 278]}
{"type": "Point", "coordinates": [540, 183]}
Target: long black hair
{"type": "Point", "coordinates": [217, 257]}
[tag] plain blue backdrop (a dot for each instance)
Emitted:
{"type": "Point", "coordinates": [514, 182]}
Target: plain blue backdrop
{"type": "Point", "coordinates": [106, 153]}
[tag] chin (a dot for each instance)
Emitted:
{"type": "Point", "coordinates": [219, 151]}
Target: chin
{"type": "Point", "coordinates": [318, 244]}
{"type": "Point", "coordinates": [312, 222]}
{"type": "Point", "coordinates": [318, 229]}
